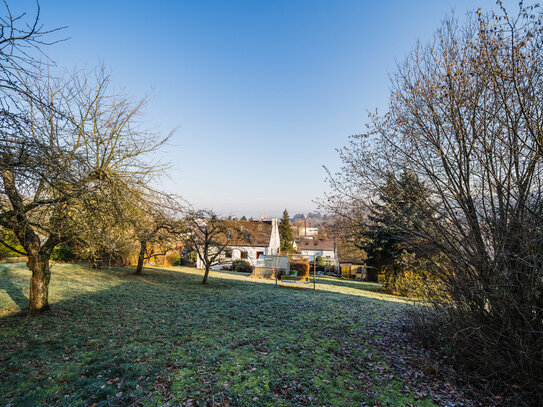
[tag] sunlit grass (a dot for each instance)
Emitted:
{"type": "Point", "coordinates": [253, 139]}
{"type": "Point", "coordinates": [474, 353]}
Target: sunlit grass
{"type": "Point", "coordinates": [112, 338]}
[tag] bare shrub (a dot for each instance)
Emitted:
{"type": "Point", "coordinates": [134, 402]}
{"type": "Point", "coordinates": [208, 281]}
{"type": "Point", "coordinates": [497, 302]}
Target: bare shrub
{"type": "Point", "coordinates": [466, 116]}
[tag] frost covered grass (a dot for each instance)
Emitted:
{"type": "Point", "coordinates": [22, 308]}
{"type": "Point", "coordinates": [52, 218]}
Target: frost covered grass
{"type": "Point", "coordinates": [112, 338]}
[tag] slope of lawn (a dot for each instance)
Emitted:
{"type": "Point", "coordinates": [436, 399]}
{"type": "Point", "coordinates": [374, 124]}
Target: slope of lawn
{"type": "Point", "coordinates": [112, 338]}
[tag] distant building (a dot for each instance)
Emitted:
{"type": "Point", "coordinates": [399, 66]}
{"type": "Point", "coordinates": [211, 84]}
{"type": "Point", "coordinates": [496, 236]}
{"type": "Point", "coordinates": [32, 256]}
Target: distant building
{"type": "Point", "coordinates": [261, 237]}
{"type": "Point", "coordinates": [325, 248]}
{"type": "Point", "coordinates": [305, 231]}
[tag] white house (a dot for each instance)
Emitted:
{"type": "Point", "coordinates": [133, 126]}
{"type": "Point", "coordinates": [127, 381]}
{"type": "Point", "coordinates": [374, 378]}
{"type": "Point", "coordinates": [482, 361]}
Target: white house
{"type": "Point", "coordinates": [261, 237]}
{"type": "Point", "coordinates": [325, 248]}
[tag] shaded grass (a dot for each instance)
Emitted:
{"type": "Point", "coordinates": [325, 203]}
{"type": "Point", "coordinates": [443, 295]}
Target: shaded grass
{"type": "Point", "coordinates": [113, 338]}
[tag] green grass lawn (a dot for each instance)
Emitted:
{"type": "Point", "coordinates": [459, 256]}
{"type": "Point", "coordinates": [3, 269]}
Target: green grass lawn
{"type": "Point", "coordinates": [112, 338]}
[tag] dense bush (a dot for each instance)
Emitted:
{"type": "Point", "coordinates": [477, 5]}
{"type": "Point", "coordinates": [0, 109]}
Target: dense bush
{"type": "Point", "coordinates": [407, 283]}
{"type": "Point", "coordinates": [192, 256]}
{"type": "Point", "coordinates": [111, 248]}
{"type": "Point", "coordinates": [172, 259]}
{"type": "Point", "coordinates": [301, 266]}
{"type": "Point", "coordinates": [320, 261]}
{"type": "Point", "coordinates": [409, 276]}
{"type": "Point", "coordinates": [242, 266]}
{"type": "Point", "coordinates": [62, 252]}
{"type": "Point", "coordinates": [319, 264]}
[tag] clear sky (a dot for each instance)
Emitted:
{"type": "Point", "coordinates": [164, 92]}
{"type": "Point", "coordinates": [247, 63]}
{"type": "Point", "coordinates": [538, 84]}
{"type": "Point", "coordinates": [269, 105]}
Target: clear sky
{"type": "Point", "coordinates": [261, 92]}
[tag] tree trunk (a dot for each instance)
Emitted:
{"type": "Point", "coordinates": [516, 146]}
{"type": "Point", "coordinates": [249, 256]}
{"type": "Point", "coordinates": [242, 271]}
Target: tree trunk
{"type": "Point", "coordinates": [38, 264]}
{"type": "Point", "coordinates": [141, 257]}
{"type": "Point", "coordinates": [38, 256]}
{"type": "Point", "coordinates": [206, 273]}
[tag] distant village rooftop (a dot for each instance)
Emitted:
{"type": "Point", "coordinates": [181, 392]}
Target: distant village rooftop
{"type": "Point", "coordinates": [317, 244]}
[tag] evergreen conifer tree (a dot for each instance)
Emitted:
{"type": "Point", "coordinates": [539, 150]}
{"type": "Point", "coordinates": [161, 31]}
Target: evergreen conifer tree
{"type": "Point", "coordinates": [390, 238]}
{"type": "Point", "coordinates": [285, 233]}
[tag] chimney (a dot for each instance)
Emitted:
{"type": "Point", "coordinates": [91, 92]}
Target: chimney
{"type": "Point", "coordinates": [275, 230]}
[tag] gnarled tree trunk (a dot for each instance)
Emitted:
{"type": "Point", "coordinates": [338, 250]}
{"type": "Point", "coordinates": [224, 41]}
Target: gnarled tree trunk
{"type": "Point", "coordinates": [38, 255]}
{"type": "Point", "coordinates": [141, 257]}
{"type": "Point", "coordinates": [38, 263]}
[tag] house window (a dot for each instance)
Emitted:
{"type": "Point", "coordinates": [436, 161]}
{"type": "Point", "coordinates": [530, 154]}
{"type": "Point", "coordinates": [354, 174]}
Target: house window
{"type": "Point", "coordinates": [229, 235]}
{"type": "Point", "coordinates": [258, 254]}
{"type": "Point", "coordinates": [243, 254]}
{"type": "Point", "coordinates": [228, 254]}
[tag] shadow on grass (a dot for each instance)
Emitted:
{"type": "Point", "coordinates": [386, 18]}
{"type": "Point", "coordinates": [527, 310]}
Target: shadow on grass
{"type": "Point", "coordinates": [156, 332]}
{"type": "Point", "coordinates": [12, 288]}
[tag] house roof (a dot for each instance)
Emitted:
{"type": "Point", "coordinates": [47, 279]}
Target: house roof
{"type": "Point", "coordinates": [317, 244]}
{"type": "Point", "coordinates": [255, 233]}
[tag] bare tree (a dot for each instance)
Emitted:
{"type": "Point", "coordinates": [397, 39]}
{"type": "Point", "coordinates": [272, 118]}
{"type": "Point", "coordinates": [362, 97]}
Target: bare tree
{"type": "Point", "coordinates": [466, 117]}
{"type": "Point", "coordinates": [22, 38]}
{"type": "Point", "coordinates": [156, 225]}
{"type": "Point", "coordinates": [98, 234]}
{"type": "Point", "coordinates": [210, 236]}
{"type": "Point", "coordinates": [71, 142]}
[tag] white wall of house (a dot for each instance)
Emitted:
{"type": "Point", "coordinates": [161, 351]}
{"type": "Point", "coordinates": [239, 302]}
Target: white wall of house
{"type": "Point", "coordinates": [274, 238]}
{"type": "Point", "coordinates": [322, 253]}
{"type": "Point", "coordinates": [252, 251]}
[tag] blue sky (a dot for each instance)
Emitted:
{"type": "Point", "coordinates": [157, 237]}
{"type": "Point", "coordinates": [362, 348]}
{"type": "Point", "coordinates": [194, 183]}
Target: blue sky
{"type": "Point", "coordinates": [261, 92]}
